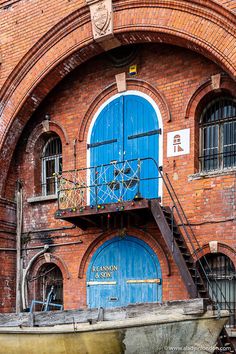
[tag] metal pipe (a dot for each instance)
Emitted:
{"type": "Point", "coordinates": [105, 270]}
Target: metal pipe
{"type": "Point", "coordinates": [75, 157]}
{"type": "Point", "coordinates": [50, 230]}
{"type": "Point", "coordinates": [38, 247]}
{"type": "Point", "coordinates": [8, 232]}
{"type": "Point", "coordinates": [25, 271]}
{"type": "Point", "coordinates": [19, 221]}
{"type": "Point", "coordinates": [53, 245]}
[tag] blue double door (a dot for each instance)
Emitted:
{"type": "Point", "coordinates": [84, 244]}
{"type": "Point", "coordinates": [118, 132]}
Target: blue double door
{"type": "Point", "coordinates": [125, 130]}
{"type": "Point", "coordinates": [123, 271]}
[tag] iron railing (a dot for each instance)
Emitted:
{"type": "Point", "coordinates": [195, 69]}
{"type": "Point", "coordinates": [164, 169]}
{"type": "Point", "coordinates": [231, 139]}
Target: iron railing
{"type": "Point", "coordinates": [215, 290]}
{"type": "Point", "coordinates": [108, 183]}
{"type": "Point", "coordinates": [223, 271]}
{"type": "Point", "coordinates": [217, 161]}
{"type": "Point", "coordinates": [128, 180]}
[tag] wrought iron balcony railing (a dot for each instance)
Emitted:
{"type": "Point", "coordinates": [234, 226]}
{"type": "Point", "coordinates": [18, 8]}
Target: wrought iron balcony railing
{"type": "Point", "coordinates": [110, 183]}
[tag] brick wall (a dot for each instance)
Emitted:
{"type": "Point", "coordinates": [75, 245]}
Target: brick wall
{"type": "Point", "coordinates": [7, 255]}
{"type": "Point", "coordinates": [171, 75]}
{"type": "Point", "coordinates": [23, 23]}
{"type": "Point", "coordinates": [208, 202]}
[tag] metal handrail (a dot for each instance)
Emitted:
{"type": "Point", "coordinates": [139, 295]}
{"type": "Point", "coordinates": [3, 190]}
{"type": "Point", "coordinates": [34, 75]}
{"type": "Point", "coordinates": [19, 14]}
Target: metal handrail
{"type": "Point", "coordinates": [176, 203]}
{"type": "Point", "coordinates": [76, 185]}
{"type": "Point", "coordinates": [123, 180]}
{"type": "Point", "coordinates": [114, 163]}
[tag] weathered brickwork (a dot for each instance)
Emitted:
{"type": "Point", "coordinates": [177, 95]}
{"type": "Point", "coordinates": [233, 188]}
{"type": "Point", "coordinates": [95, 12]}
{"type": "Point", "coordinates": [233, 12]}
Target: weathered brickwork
{"type": "Point", "coordinates": [7, 254]}
{"type": "Point", "coordinates": [52, 67]}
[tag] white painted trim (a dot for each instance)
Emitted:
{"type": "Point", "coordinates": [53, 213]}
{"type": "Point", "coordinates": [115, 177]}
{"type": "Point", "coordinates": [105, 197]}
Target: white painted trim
{"type": "Point", "coordinates": [160, 121]}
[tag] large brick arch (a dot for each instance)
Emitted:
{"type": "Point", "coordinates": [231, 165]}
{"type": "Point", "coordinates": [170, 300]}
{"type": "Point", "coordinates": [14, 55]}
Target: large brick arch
{"type": "Point", "coordinates": [146, 237]}
{"type": "Point", "coordinates": [132, 84]}
{"type": "Point", "coordinates": [205, 27]}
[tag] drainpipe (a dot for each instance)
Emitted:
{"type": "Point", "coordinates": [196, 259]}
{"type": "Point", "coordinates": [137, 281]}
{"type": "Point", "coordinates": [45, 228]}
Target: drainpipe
{"type": "Point", "coordinates": [25, 271]}
{"type": "Point", "coordinates": [19, 218]}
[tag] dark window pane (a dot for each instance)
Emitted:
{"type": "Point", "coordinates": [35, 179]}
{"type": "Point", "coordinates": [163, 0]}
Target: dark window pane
{"type": "Point", "coordinates": [220, 108]}
{"type": "Point", "coordinates": [218, 134]}
{"type": "Point", "coordinates": [50, 186]}
{"type": "Point", "coordinates": [53, 147]}
{"type": "Point", "coordinates": [60, 165]}
{"type": "Point", "coordinates": [52, 165]}
{"type": "Point", "coordinates": [229, 144]}
{"type": "Point", "coordinates": [210, 147]}
{"type": "Point", "coordinates": [50, 168]}
{"type": "Point", "coordinates": [221, 283]}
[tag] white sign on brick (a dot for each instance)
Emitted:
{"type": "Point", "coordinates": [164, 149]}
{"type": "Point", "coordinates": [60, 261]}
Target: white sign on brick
{"type": "Point", "coordinates": [178, 143]}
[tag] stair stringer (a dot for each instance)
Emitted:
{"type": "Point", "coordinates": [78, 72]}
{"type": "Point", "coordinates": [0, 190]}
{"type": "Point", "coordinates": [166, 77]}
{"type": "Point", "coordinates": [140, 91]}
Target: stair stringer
{"type": "Point", "coordinates": [173, 248]}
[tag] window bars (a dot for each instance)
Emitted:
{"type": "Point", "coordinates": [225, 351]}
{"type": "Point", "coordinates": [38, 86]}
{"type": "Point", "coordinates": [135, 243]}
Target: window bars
{"type": "Point", "coordinates": [51, 165]}
{"type": "Point", "coordinates": [218, 135]}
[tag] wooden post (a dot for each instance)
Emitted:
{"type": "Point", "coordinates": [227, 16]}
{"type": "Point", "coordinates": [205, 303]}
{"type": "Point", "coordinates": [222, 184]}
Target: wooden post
{"type": "Point", "coordinates": [19, 215]}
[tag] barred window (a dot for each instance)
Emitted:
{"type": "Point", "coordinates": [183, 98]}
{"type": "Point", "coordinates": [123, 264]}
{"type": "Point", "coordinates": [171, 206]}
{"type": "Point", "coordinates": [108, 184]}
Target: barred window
{"type": "Point", "coordinates": [218, 134]}
{"type": "Point", "coordinates": [221, 283]}
{"type": "Point", "coordinates": [51, 165]}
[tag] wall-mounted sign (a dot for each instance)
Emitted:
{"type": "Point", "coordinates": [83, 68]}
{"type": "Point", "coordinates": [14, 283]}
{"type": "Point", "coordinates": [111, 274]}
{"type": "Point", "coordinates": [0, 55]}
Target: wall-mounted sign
{"type": "Point", "coordinates": [178, 142]}
{"type": "Point", "coordinates": [104, 271]}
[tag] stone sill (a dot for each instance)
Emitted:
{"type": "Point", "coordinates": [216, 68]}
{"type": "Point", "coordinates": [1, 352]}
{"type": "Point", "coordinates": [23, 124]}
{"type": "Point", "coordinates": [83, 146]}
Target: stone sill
{"type": "Point", "coordinates": [231, 332]}
{"type": "Point", "coordinates": [209, 174]}
{"type": "Point", "coordinates": [42, 198]}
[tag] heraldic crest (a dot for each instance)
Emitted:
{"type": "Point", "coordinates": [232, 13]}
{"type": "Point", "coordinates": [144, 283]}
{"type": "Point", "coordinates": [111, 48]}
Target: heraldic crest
{"type": "Point", "coordinates": [101, 19]}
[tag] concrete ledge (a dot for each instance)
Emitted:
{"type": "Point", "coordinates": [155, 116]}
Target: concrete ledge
{"type": "Point", "coordinates": [42, 198]}
{"type": "Point", "coordinates": [209, 174]}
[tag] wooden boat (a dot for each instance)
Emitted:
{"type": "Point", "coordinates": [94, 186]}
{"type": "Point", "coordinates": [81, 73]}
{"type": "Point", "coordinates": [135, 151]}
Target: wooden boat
{"type": "Point", "coordinates": [179, 326]}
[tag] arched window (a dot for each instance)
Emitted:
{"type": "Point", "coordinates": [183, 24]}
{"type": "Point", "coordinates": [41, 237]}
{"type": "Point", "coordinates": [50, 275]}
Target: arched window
{"type": "Point", "coordinates": [218, 134]}
{"type": "Point", "coordinates": [221, 284]}
{"type": "Point", "coordinates": [48, 288]}
{"type": "Point", "coordinates": [51, 165]}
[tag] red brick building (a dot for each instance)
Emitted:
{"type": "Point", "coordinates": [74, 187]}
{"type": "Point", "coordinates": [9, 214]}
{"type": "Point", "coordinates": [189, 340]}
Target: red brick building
{"type": "Point", "coordinates": [62, 64]}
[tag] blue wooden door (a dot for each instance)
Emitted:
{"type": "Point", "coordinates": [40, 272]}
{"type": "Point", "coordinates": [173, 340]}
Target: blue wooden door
{"type": "Point", "coordinates": [106, 145]}
{"type": "Point", "coordinates": [141, 137]}
{"type": "Point", "coordinates": [123, 271]}
{"type": "Point", "coordinates": [125, 130]}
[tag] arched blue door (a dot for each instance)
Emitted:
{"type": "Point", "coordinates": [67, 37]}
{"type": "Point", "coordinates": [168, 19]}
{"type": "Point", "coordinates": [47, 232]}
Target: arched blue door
{"type": "Point", "coordinates": [123, 271]}
{"type": "Point", "coordinates": [125, 130]}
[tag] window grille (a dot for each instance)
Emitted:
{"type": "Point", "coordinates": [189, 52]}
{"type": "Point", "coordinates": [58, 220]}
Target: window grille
{"type": "Point", "coordinates": [221, 273]}
{"type": "Point", "coordinates": [218, 134]}
{"type": "Point", "coordinates": [51, 165]}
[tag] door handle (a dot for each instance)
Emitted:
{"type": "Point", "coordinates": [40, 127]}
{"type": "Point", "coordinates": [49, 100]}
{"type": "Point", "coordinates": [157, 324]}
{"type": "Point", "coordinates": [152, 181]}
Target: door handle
{"type": "Point", "coordinates": [89, 283]}
{"type": "Point", "coordinates": [139, 281]}
{"type": "Point", "coordinates": [113, 299]}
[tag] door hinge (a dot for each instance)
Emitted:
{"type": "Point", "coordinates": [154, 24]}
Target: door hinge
{"type": "Point", "coordinates": [101, 143]}
{"type": "Point", "coordinates": [151, 132]}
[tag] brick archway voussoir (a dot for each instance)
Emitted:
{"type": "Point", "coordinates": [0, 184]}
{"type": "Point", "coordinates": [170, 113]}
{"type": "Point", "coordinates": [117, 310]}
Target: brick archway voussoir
{"type": "Point", "coordinates": [167, 22]}
{"type": "Point", "coordinates": [208, 29]}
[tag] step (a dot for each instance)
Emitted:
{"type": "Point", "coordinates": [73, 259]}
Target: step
{"type": "Point", "coordinates": [189, 261]}
{"type": "Point", "coordinates": [201, 287]}
{"type": "Point", "coordinates": [201, 292]}
{"type": "Point", "coordinates": [200, 284]}
{"type": "Point", "coordinates": [182, 245]}
{"type": "Point", "coordinates": [186, 255]}
{"type": "Point", "coordinates": [178, 235]}
{"type": "Point", "coordinates": [192, 271]}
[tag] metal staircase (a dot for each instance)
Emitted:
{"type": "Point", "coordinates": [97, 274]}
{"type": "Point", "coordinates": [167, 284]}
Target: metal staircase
{"type": "Point", "coordinates": [179, 244]}
{"type": "Point", "coordinates": [179, 250]}
{"type": "Point", "coordinates": [122, 193]}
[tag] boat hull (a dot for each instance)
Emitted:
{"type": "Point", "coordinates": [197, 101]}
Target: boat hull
{"type": "Point", "coordinates": [149, 333]}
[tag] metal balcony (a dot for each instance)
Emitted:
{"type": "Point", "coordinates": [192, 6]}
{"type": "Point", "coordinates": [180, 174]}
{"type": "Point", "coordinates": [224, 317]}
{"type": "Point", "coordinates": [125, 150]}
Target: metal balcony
{"type": "Point", "coordinates": [99, 196]}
